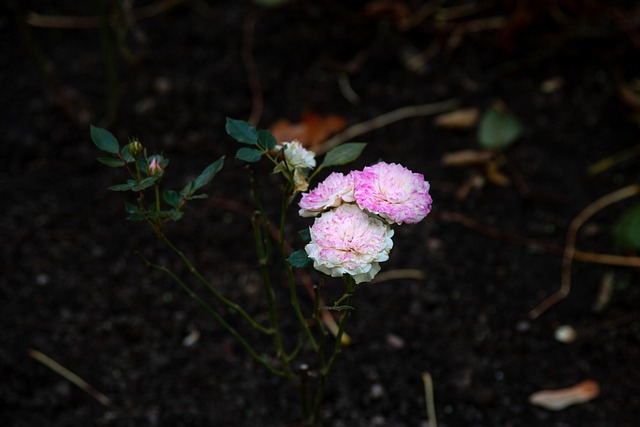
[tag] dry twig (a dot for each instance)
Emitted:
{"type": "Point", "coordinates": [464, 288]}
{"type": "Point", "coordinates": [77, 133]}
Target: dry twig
{"type": "Point", "coordinates": [570, 245]}
{"type": "Point", "coordinates": [386, 119]}
{"type": "Point", "coordinates": [69, 376]}
{"type": "Point", "coordinates": [86, 22]}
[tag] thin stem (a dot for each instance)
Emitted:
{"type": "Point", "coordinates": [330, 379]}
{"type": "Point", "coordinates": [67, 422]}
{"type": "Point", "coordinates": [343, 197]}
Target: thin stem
{"type": "Point", "coordinates": [261, 360]}
{"type": "Point", "coordinates": [219, 297]}
{"type": "Point", "coordinates": [326, 370]}
{"type": "Point", "coordinates": [157, 191]}
{"type": "Point", "coordinates": [263, 258]}
{"type": "Point", "coordinates": [295, 301]}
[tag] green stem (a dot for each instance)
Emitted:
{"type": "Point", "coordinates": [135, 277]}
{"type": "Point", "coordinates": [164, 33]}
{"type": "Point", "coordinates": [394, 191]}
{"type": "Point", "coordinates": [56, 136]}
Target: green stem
{"type": "Point", "coordinates": [263, 258]}
{"type": "Point", "coordinates": [295, 301]}
{"type": "Point", "coordinates": [157, 191]}
{"type": "Point", "coordinates": [261, 360]}
{"type": "Point", "coordinates": [325, 371]}
{"type": "Point", "coordinates": [218, 296]}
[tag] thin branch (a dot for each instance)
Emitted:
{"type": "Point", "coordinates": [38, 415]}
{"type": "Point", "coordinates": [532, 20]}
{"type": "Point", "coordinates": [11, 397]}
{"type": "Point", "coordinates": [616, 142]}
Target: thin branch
{"type": "Point", "coordinates": [69, 376]}
{"type": "Point", "coordinates": [386, 119]}
{"type": "Point", "coordinates": [87, 22]}
{"type": "Point", "coordinates": [550, 248]}
{"type": "Point", "coordinates": [570, 246]}
{"type": "Point", "coordinates": [429, 400]}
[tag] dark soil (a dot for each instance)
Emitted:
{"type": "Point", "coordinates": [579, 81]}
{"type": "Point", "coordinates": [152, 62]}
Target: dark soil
{"type": "Point", "coordinates": [73, 289]}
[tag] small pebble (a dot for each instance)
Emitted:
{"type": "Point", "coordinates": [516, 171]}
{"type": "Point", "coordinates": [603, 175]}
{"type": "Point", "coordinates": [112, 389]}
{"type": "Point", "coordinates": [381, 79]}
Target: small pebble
{"type": "Point", "coordinates": [565, 334]}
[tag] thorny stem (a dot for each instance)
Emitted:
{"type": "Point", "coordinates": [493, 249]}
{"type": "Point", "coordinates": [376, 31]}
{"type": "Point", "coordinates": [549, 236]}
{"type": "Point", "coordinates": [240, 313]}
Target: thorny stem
{"type": "Point", "coordinates": [218, 296]}
{"type": "Point", "coordinates": [261, 360]}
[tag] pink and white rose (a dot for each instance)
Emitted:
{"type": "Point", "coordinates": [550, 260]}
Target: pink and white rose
{"type": "Point", "coordinates": [393, 192]}
{"type": "Point", "coordinates": [346, 240]}
{"type": "Point", "coordinates": [330, 193]}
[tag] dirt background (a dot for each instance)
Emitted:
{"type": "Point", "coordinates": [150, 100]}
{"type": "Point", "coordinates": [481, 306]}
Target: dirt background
{"type": "Point", "coordinates": [72, 288]}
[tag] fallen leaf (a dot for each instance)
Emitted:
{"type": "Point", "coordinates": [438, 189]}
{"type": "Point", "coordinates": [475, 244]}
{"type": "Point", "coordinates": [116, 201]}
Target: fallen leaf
{"type": "Point", "coordinates": [498, 127]}
{"type": "Point", "coordinates": [557, 400]}
{"type": "Point", "coordinates": [313, 129]}
{"type": "Point", "coordinates": [464, 158]}
{"type": "Point", "coordinates": [462, 119]}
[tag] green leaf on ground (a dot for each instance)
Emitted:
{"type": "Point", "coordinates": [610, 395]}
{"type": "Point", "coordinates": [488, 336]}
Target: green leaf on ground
{"type": "Point", "coordinates": [626, 231]}
{"type": "Point", "coordinates": [498, 129]}
{"type": "Point", "coordinates": [104, 140]}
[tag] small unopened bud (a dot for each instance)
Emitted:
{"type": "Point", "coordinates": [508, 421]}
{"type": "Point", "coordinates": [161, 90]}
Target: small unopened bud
{"type": "Point", "coordinates": [155, 167]}
{"type": "Point", "coordinates": [135, 147]}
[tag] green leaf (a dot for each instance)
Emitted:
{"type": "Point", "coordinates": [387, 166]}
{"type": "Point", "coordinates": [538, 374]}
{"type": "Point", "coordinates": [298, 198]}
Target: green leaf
{"type": "Point", "coordinates": [121, 187]}
{"type": "Point", "coordinates": [626, 231]}
{"type": "Point", "coordinates": [242, 131]}
{"type": "Point", "coordinates": [126, 155]}
{"type": "Point", "coordinates": [131, 208]}
{"type": "Point", "coordinates": [498, 129]}
{"type": "Point", "coordinates": [104, 140]}
{"type": "Point", "coordinates": [343, 154]}
{"type": "Point", "coordinates": [188, 189]}
{"type": "Point", "coordinates": [198, 196]}
{"type": "Point", "coordinates": [305, 234]}
{"type": "Point", "coordinates": [112, 162]}
{"type": "Point", "coordinates": [250, 155]}
{"type": "Point", "coordinates": [171, 197]}
{"type": "Point", "coordinates": [136, 217]}
{"type": "Point", "coordinates": [266, 140]}
{"type": "Point", "coordinates": [300, 259]}
{"type": "Point", "coordinates": [146, 183]}
{"type": "Point", "coordinates": [207, 174]}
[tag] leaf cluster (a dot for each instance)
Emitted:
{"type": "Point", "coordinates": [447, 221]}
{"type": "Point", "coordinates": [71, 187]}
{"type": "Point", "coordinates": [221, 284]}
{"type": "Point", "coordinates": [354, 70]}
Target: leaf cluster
{"type": "Point", "coordinates": [141, 178]}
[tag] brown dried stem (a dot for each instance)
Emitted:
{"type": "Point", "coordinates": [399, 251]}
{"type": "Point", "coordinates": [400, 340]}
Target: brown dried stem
{"type": "Point", "coordinates": [570, 245]}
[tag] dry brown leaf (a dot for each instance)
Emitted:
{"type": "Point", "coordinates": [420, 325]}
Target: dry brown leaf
{"type": "Point", "coordinates": [464, 158]}
{"type": "Point", "coordinates": [462, 119]}
{"type": "Point", "coordinates": [313, 129]}
{"type": "Point", "coordinates": [557, 400]}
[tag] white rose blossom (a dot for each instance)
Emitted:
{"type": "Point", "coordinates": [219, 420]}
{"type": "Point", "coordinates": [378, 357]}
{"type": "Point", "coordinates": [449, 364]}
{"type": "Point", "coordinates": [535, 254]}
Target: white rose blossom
{"type": "Point", "coordinates": [347, 240]}
{"type": "Point", "coordinates": [298, 161]}
{"type": "Point", "coordinates": [296, 156]}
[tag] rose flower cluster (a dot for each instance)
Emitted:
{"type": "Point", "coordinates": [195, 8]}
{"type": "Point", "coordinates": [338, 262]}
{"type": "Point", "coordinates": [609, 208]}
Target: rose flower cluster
{"type": "Point", "coordinates": [353, 233]}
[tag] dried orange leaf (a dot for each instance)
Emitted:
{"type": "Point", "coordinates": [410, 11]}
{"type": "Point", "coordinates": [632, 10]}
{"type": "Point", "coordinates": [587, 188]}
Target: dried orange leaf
{"type": "Point", "coordinates": [462, 119]}
{"type": "Point", "coordinates": [557, 400]}
{"type": "Point", "coordinates": [311, 131]}
{"type": "Point", "coordinates": [465, 158]}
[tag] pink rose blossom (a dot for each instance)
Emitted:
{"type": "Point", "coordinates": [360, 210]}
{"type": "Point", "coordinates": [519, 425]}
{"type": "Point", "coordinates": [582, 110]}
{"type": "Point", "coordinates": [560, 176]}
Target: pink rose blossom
{"type": "Point", "coordinates": [393, 192]}
{"type": "Point", "coordinates": [347, 240]}
{"type": "Point", "coordinates": [330, 193]}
